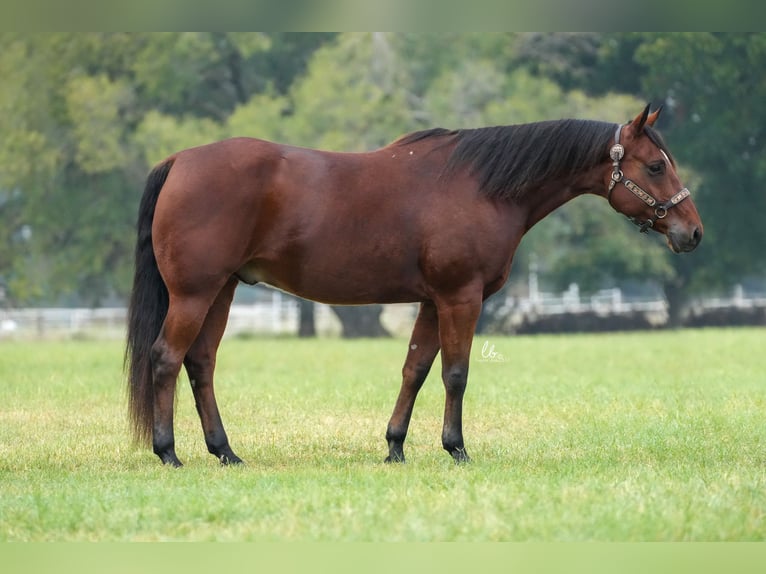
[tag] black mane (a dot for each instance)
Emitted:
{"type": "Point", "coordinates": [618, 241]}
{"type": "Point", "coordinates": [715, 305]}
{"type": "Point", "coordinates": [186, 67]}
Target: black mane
{"type": "Point", "coordinates": [510, 160]}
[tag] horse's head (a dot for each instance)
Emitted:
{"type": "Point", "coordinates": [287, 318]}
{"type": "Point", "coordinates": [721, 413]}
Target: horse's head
{"type": "Point", "coordinates": [643, 184]}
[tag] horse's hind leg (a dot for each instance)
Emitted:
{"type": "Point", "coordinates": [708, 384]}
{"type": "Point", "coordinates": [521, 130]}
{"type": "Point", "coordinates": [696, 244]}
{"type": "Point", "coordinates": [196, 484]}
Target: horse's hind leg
{"type": "Point", "coordinates": [179, 330]}
{"type": "Point", "coordinates": [200, 366]}
{"type": "Point", "coordinates": [424, 344]}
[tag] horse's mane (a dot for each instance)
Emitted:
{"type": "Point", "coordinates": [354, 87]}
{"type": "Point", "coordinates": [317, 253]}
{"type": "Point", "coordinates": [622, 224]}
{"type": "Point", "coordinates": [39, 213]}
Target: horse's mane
{"type": "Point", "coordinates": [510, 160]}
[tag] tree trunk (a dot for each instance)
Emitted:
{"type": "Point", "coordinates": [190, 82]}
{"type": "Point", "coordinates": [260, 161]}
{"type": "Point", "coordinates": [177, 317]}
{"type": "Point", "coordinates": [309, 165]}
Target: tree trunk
{"type": "Point", "coordinates": [306, 324]}
{"type": "Point", "coordinates": [361, 321]}
{"type": "Point", "coordinates": [676, 297]}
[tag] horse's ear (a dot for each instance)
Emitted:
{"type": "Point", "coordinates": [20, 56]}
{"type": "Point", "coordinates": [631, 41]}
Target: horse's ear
{"type": "Point", "coordinates": [653, 116]}
{"type": "Point", "coordinates": [637, 125]}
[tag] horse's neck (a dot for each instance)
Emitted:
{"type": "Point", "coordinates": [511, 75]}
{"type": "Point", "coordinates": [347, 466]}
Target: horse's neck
{"type": "Point", "coordinates": [550, 196]}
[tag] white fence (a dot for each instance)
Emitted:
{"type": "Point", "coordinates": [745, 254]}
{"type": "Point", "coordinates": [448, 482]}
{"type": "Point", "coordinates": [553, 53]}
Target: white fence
{"type": "Point", "coordinates": [268, 318]}
{"type": "Point", "coordinates": [280, 314]}
{"type": "Point", "coordinates": [604, 301]}
{"type": "Point", "coordinates": [739, 299]}
{"type": "Point", "coordinates": [62, 322]}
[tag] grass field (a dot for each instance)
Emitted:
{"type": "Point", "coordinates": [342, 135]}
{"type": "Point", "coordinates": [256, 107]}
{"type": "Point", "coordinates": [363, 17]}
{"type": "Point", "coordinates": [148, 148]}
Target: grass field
{"type": "Point", "coordinates": [618, 437]}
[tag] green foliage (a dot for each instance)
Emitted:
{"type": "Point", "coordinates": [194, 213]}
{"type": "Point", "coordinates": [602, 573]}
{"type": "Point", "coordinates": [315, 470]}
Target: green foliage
{"type": "Point", "coordinates": [188, 73]}
{"type": "Point", "coordinates": [352, 97]}
{"type": "Point", "coordinates": [264, 116]}
{"type": "Point", "coordinates": [26, 154]}
{"type": "Point", "coordinates": [159, 135]}
{"type": "Point", "coordinates": [96, 106]}
{"type": "Point", "coordinates": [589, 446]}
{"type": "Point", "coordinates": [586, 244]}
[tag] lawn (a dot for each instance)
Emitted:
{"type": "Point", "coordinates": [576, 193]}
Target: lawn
{"type": "Point", "coordinates": [616, 437]}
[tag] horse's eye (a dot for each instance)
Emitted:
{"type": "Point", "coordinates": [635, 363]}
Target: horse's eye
{"type": "Point", "coordinates": [657, 168]}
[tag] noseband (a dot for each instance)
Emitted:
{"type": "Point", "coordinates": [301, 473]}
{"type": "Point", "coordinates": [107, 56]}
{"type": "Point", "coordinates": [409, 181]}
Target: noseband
{"type": "Point", "coordinates": [617, 152]}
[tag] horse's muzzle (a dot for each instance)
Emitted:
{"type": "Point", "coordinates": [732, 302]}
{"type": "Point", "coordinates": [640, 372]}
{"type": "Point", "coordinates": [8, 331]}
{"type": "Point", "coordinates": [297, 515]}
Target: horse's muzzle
{"type": "Point", "coordinates": [684, 241]}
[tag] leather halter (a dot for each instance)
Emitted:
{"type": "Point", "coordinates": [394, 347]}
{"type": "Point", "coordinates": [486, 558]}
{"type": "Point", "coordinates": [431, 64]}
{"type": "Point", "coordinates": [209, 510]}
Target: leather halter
{"type": "Point", "coordinates": [616, 153]}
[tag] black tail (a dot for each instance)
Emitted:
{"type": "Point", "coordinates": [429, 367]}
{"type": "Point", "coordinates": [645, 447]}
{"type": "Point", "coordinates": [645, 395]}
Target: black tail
{"type": "Point", "coordinates": [148, 307]}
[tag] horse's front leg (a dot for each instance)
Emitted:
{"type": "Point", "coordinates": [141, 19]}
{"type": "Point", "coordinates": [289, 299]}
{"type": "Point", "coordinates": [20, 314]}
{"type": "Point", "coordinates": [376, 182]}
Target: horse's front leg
{"type": "Point", "coordinates": [457, 322]}
{"type": "Point", "coordinates": [424, 344]}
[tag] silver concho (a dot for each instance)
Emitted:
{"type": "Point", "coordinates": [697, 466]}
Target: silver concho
{"type": "Point", "coordinates": [617, 152]}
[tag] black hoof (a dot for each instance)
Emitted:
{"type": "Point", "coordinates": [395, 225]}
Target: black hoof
{"type": "Point", "coordinates": [170, 460]}
{"type": "Point", "coordinates": [460, 456]}
{"type": "Point", "coordinates": [230, 459]}
{"type": "Point", "coordinates": [395, 451]}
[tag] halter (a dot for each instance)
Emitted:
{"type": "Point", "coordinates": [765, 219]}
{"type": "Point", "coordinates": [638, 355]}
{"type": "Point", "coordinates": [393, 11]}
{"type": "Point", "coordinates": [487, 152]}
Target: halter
{"type": "Point", "coordinates": [617, 152]}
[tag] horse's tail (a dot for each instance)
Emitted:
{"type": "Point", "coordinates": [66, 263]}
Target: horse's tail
{"type": "Point", "coordinates": [147, 310]}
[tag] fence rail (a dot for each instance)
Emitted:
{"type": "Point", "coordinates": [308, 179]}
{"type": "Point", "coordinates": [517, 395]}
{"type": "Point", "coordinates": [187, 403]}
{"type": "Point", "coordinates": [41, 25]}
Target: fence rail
{"type": "Point", "coordinates": [280, 314]}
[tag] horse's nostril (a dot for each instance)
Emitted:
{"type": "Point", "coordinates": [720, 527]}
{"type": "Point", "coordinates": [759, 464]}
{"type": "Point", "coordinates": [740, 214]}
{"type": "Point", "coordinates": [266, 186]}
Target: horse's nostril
{"type": "Point", "coordinates": [696, 235]}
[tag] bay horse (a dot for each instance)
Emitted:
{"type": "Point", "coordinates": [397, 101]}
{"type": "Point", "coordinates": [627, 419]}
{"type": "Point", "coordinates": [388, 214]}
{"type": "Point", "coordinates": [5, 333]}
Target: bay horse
{"type": "Point", "coordinates": [434, 217]}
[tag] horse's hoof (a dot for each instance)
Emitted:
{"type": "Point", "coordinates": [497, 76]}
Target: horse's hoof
{"type": "Point", "coordinates": [230, 459]}
{"type": "Point", "coordinates": [460, 456]}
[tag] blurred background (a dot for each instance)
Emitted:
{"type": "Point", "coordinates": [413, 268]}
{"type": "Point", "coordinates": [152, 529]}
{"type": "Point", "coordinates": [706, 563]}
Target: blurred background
{"type": "Point", "coordinates": [84, 116]}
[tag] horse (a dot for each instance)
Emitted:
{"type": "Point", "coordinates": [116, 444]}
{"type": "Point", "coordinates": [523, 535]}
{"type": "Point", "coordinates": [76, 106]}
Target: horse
{"type": "Point", "coordinates": [433, 218]}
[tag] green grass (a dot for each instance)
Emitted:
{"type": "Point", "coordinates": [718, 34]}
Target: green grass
{"type": "Point", "coordinates": [619, 437]}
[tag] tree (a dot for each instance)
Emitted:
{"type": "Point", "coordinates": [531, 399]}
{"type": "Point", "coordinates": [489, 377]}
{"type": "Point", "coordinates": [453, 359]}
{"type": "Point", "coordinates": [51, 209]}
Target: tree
{"type": "Point", "coordinates": [712, 87]}
{"type": "Point", "coordinates": [361, 321]}
{"type": "Point", "coordinates": [567, 58]}
{"type": "Point", "coordinates": [306, 323]}
{"type": "Point", "coordinates": [34, 155]}
{"type": "Point", "coordinates": [83, 117]}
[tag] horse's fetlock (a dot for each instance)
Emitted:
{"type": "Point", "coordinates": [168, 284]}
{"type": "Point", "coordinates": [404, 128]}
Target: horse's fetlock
{"type": "Point", "coordinates": [395, 436]}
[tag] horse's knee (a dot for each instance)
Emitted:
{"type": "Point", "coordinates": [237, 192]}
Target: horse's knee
{"type": "Point", "coordinates": [455, 380]}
